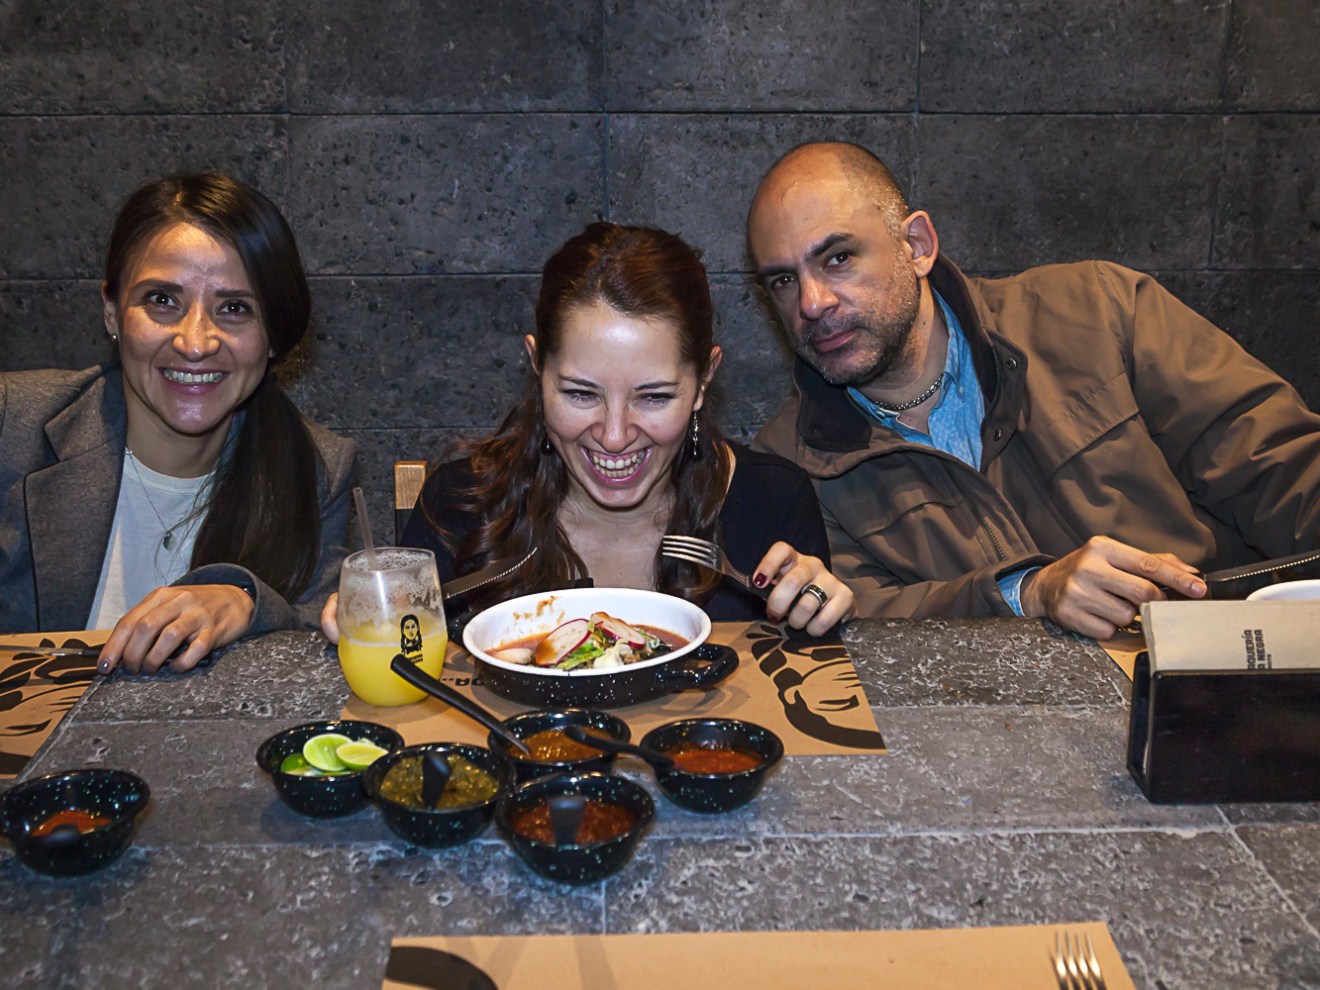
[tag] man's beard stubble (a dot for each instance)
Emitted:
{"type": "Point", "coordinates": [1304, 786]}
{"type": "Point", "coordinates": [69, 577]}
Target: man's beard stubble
{"type": "Point", "coordinates": [883, 340]}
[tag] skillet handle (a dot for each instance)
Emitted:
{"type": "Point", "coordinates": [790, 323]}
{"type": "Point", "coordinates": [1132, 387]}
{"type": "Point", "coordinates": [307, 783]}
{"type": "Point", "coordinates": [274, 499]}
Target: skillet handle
{"type": "Point", "coordinates": [703, 668]}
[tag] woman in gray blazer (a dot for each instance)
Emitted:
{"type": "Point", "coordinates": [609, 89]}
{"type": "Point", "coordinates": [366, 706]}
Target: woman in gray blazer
{"type": "Point", "coordinates": [177, 495]}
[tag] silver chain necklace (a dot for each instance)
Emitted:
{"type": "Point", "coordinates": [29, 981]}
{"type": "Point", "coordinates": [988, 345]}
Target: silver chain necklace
{"type": "Point", "coordinates": [912, 403]}
{"type": "Point", "coordinates": [168, 541]}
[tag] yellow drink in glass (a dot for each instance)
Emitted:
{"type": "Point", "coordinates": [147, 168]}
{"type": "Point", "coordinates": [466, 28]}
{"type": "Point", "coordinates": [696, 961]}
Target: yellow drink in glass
{"type": "Point", "coordinates": [366, 664]}
{"type": "Point", "coordinates": [392, 610]}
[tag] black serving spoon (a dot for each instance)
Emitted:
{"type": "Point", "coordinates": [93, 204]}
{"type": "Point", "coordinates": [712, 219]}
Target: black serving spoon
{"type": "Point", "coordinates": [657, 759]}
{"type": "Point", "coordinates": [423, 681]}
{"type": "Point", "coordinates": [60, 837]}
{"type": "Point", "coordinates": [566, 811]}
{"type": "Point", "coordinates": [435, 775]}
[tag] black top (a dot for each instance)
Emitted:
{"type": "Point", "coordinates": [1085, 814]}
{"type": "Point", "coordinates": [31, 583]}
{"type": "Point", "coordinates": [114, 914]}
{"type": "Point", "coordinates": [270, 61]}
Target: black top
{"type": "Point", "coordinates": [769, 499]}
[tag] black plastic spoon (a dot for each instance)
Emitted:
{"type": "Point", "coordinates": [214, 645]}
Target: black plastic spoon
{"type": "Point", "coordinates": [60, 837]}
{"type": "Point", "coordinates": [423, 681]}
{"type": "Point", "coordinates": [566, 811]}
{"type": "Point", "coordinates": [657, 759]}
{"type": "Point", "coordinates": [435, 775]}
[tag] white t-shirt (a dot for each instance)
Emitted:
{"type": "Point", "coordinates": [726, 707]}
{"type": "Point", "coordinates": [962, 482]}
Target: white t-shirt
{"type": "Point", "coordinates": [136, 558]}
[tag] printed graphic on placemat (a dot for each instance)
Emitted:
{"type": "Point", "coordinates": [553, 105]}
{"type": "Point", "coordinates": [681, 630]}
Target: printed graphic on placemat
{"type": "Point", "coordinates": [36, 689]}
{"type": "Point", "coordinates": [804, 689]}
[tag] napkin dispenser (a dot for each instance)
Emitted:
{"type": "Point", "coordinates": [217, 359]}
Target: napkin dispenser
{"type": "Point", "coordinates": [1226, 703]}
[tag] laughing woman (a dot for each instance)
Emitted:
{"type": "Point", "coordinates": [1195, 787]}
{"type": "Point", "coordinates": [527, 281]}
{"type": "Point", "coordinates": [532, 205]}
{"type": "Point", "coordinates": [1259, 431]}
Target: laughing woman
{"type": "Point", "coordinates": [614, 445]}
{"type": "Point", "coordinates": [177, 495]}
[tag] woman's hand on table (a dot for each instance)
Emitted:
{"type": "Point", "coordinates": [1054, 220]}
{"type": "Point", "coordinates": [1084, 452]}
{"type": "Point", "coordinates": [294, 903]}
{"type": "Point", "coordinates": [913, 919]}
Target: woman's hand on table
{"type": "Point", "coordinates": [330, 619]}
{"type": "Point", "coordinates": [789, 574]}
{"type": "Point", "coordinates": [198, 617]}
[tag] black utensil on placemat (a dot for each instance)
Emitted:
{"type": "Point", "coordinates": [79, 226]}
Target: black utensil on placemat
{"type": "Point", "coordinates": [435, 969]}
{"type": "Point", "coordinates": [423, 681]}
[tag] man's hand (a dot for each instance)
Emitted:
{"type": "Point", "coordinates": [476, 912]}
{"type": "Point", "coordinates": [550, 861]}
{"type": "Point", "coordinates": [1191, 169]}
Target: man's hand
{"type": "Point", "coordinates": [204, 616]}
{"type": "Point", "coordinates": [1100, 587]}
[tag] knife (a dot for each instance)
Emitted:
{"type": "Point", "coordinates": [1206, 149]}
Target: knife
{"type": "Point", "coordinates": [497, 570]}
{"type": "Point", "coordinates": [1238, 582]}
{"type": "Point", "coordinates": [91, 652]}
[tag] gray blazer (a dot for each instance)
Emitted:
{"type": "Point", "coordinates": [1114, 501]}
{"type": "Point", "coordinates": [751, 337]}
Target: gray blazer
{"type": "Point", "coordinates": [61, 456]}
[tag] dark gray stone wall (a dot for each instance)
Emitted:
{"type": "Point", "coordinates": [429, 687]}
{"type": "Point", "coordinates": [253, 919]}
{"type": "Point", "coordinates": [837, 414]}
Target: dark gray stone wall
{"type": "Point", "coordinates": [431, 155]}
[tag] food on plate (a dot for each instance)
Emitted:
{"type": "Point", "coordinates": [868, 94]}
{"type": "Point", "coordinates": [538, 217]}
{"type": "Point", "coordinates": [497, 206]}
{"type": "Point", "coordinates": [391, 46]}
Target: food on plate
{"type": "Point", "coordinates": [84, 821]}
{"type": "Point", "coordinates": [468, 784]}
{"type": "Point", "coordinates": [599, 643]}
{"type": "Point", "coordinates": [600, 821]}
{"type": "Point", "coordinates": [711, 759]}
{"type": "Point", "coordinates": [553, 746]}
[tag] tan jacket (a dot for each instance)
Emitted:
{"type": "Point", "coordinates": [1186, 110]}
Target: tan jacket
{"type": "Point", "coordinates": [1111, 409]}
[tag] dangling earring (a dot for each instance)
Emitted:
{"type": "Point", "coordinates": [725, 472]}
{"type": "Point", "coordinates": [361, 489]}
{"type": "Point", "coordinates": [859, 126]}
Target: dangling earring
{"type": "Point", "coordinates": [270, 354]}
{"type": "Point", "coordinates": [696, 439]}
{"type": "Point", "coordinates": [547, 448]}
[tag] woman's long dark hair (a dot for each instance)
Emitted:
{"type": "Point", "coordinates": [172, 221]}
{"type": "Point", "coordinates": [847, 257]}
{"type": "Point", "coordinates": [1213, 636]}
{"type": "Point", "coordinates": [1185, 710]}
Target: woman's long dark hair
{"type": "Point", "coordinates": [262, 512]}
{"type": "Point", "coordinates": [641, 272]}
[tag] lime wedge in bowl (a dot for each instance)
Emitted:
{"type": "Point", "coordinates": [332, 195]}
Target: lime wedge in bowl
{"type": "Point", "coordinates": [360, 754]}
{"type": "Point", "coordinates": [322, 751]}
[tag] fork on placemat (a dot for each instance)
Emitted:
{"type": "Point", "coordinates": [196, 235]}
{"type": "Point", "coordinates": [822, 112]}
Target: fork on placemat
{"type": "Point", "coordinates": [1074, 968]}
{"type": "Point", "coordinates": [704, 553]}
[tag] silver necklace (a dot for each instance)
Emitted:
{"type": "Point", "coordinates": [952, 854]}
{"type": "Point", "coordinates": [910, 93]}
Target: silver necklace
{"type": "Point", "coordinates": [912, 403]}
{"type": "Point", "coordinates": [168, 541]}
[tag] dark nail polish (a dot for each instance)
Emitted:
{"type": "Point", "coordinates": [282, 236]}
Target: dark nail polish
{"type": "Point", "coordinates": [104, 666]}
{"type": "Point", "coordinates": [759, 580]}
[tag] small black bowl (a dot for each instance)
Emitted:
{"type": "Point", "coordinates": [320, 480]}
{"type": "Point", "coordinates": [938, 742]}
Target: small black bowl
{"type": "Point", "coordinates": [584, 862]}
{"type": "Point", "coordinates": [321, 797]}
{"type": "Point", "coordinates": [437, 826]}
{"type": "Point", "coordinates": [714, 792]}
{"type": "Point", "coordinates": [114, 793]}
{"type": "Point", "coordinates": [529, 723]}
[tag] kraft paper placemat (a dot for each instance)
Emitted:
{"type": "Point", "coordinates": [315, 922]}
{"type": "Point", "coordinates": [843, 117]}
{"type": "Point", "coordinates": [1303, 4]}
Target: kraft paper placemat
{"type": "Point", "coordinates": [1123, 650]}
{"type": "Point", "coordinates": [1009, 958]}
{"type": "Point", "coordinates": [804, 689]}
{"type": "Point", "coordinates": [36, 690]}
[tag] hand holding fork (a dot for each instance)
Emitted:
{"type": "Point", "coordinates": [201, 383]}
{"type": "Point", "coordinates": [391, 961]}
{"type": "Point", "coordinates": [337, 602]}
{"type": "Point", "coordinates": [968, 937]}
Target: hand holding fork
{"type": "Point", "coordinates": [805, 593]}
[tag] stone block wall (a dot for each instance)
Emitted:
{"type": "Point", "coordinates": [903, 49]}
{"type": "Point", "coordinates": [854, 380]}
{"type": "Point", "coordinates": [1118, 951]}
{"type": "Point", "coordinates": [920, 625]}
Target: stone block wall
{"type": "Point", "coordinates": [431, 155]}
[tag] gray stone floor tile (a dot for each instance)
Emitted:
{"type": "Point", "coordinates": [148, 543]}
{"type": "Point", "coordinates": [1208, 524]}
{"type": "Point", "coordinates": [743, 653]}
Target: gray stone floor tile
{"type": "Point", "coordinates": [1291, 854]}
{"type": "Point", "coordinates": [278, 683]}
{"type": "Point", "coordinates": [1011, 662]}
{"type": "Point", "coordinates": [1162, 895]}
{"type": "Point", "coordinates": [268, 916]}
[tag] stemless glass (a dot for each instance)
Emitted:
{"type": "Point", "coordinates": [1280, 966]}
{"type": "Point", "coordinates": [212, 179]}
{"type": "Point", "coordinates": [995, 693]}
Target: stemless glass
{"type": "Point", "coordinates": [391, 610]}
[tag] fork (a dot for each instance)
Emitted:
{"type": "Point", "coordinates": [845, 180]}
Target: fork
{"type": "Point", "coordinates": [704, 553]}
{"type": "Point", "coordinates": [1074, 969]}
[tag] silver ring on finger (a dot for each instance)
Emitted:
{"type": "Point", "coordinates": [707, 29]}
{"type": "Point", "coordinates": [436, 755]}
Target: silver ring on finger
{"type": "Point", "coordinates": [816, 592]}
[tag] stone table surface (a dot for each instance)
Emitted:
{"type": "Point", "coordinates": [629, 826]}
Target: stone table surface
{"type": "Point", "coordinates": [1003, 800]}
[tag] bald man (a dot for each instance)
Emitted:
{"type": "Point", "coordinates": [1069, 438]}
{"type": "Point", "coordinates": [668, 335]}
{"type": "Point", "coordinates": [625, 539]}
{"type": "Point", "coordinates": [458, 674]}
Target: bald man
{"type": "Point", "coordinates": [1071, 442]}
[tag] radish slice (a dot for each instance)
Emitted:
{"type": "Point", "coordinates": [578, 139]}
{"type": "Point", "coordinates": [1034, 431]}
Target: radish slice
{"type": "Point", "coordinates": [561, 642]}
{"type": "Point", "coordinates": [618, 629]}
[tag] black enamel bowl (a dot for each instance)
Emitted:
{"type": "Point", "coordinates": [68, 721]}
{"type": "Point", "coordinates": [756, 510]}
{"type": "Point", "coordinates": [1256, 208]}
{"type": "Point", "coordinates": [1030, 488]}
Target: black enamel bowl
{"type": "Point", "coordinates": [714, 792]}
{"type": "Point", "coordinates": [577, 863]}
{"type": "Point", "coordinates": [530, 723]}
{"type": "Point", "coordinates": [437, 826]}
{"type": "Point", "coordinates": [116, 794]}
{"type": "Point", "coordinates": [695, 664]}
{"type": "Point", "coordinates": [321, 797]}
